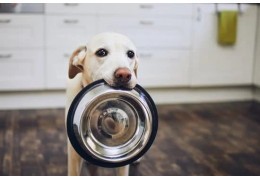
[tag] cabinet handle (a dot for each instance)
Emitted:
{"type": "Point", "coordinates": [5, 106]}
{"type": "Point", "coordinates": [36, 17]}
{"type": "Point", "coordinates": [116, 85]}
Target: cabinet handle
{"type": "Point", "coordinates": [5, 56]}
{"type": "Point", "coordinates": [66, 55]}
{"type": "Point", "coordinates": [146, 23]}
{"type": "Point", "coordinates": [146, 6]}
{"type": "Point", "coordinates": [71, 4]}
{"type": "Point", "coordinates": [5, 21]}
{"type": "Point", "coordinates": [146, 55]}
{"type": "Point", "coordinates": [198, 18]}
{"type": "Point", "coordinates": [70, 21]}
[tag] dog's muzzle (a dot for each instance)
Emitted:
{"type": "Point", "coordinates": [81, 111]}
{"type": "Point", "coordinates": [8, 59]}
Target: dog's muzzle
{"type": "Point", "coordinates": [112, 127]}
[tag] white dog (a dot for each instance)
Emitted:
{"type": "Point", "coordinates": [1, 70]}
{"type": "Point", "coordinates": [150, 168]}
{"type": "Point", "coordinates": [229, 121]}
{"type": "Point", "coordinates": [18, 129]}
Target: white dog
{"type": "Point", "coordinates": [107, 56]}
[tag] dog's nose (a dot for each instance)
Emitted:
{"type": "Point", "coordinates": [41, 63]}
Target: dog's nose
{"type": "Point", "coordinates": [122, 75]}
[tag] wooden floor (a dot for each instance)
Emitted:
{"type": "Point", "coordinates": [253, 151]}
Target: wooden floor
{"type": "Point", "coordinates": [199, 139]}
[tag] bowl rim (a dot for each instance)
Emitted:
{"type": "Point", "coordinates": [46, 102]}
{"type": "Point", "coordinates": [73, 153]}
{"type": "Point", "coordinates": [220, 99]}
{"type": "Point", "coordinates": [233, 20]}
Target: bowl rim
{"type": "Point", "coordinates": [76, 145]}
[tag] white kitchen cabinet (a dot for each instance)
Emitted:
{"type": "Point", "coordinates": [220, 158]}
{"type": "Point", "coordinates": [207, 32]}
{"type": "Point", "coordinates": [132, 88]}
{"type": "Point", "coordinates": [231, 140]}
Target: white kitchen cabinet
{"type": "Point", "coordinates": [21, 31]}
{"type": "Point", "coordinates": [213, 64]}
{"type": "Point", "coordinates": [22, 62]}
{"type": "Point", "coordinates": [151, 32]}
{"type": "Point", "coordinates": [21, 69]}
{"type": "Point", "coordinates": [163, 68]}
{"type": "Point", "coordinates": [57, 62]}
{"type": "Point", "coordinates": [69, 31]}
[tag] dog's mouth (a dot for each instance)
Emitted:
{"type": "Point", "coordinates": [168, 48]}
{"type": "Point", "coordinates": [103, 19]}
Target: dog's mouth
{"type": "Point", "coordinates": [118, 84]}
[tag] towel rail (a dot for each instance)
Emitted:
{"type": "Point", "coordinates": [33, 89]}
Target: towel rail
{"type": "Point", "coordinates": [238, 7]}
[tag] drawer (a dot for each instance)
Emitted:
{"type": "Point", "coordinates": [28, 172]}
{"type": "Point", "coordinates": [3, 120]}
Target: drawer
{"type": "Point", "coordinates": [57, 62]}
{"type": "Point", "coordinates": [21, 70]}
{"type": "Point", "coordinates": [21, 31]}
{"type": "Point", "coordinates": [151, 32]}
{"type": "Point", "coordinates": [69, 31]}
{"type": "Point", "coordinates": [70, 8]}
{"type": "Point", "coordinates": [163, 68]}
{"type": "Point", "coordinates": [184, 10]}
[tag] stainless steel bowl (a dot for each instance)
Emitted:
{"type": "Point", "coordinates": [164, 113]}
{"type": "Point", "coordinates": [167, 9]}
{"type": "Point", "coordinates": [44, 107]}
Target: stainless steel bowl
{"type": "Point", "coordinates": [112, 127]}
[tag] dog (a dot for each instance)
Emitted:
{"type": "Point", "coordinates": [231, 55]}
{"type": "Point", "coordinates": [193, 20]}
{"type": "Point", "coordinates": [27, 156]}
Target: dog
{"type": "Point", "coordinates": [108, 56]}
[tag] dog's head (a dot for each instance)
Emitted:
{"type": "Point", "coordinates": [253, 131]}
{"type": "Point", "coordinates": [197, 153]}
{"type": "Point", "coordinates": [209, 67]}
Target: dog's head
{"type": "Point", "coordinates": [107, 56]}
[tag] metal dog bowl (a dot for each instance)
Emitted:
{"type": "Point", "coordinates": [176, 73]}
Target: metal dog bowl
{"type": "Point", "coordinates": [112, 127]}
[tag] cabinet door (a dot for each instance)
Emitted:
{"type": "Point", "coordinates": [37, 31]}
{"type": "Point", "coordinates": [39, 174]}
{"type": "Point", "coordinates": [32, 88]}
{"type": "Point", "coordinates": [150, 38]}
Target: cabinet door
{"type": "Point", "coordinates": [213, 64]}
{"type": "Point", "coordinates": [151, 32]}
{"type": "Point", "coordinates": [19, 31]}
{"type": "Point", "coordinates": [163, 68]}
{"type": "Point", "coordinates": [69, 31]}
{"type": "Point", "coordinates": [21, 69]}
{"type": "Point", "coordinates": [57, 68]}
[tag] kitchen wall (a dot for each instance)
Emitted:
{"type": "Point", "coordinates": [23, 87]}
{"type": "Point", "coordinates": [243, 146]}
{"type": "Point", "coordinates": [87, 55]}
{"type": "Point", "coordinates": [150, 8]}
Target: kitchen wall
{"type": "Point", "coordinates": [180, 58]}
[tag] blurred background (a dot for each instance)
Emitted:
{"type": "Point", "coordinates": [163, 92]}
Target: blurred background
{"type": "Point", "coordinates": [199, 62]}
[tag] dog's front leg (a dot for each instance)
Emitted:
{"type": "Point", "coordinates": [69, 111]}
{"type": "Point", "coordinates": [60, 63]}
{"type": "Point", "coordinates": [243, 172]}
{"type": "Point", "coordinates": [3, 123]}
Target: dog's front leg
{"type": "Point", "coordinates": [74, 161]}
{"type": "Point", "coordinates": [76, 165]}
{"type": "Point", "coordinates": [122, 171]}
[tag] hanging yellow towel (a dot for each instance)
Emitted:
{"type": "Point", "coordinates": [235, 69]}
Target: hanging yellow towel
{"type": "Point", "coordinates": [227, 27]}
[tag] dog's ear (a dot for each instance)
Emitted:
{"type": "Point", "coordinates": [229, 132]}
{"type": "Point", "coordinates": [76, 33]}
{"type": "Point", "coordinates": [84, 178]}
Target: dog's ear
{"type": "Point", "coordinates": [76, 61]}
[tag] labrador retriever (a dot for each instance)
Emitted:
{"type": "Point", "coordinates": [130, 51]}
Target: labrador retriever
{"type": "Point", "coordinates": [108, 56]}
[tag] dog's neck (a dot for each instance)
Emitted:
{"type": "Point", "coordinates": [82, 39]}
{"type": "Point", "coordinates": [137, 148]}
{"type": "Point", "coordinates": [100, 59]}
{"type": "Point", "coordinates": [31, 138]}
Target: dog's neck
{"type": "Point", "coordinates": [85, 79]}
{"type": "Point", "coordinates": [85, 82]}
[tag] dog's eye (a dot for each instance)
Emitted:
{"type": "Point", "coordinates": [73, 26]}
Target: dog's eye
{"type": "Point", "coordinates": [130, 54]}
{"type": "Point", "coordinates": [101, 52]}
